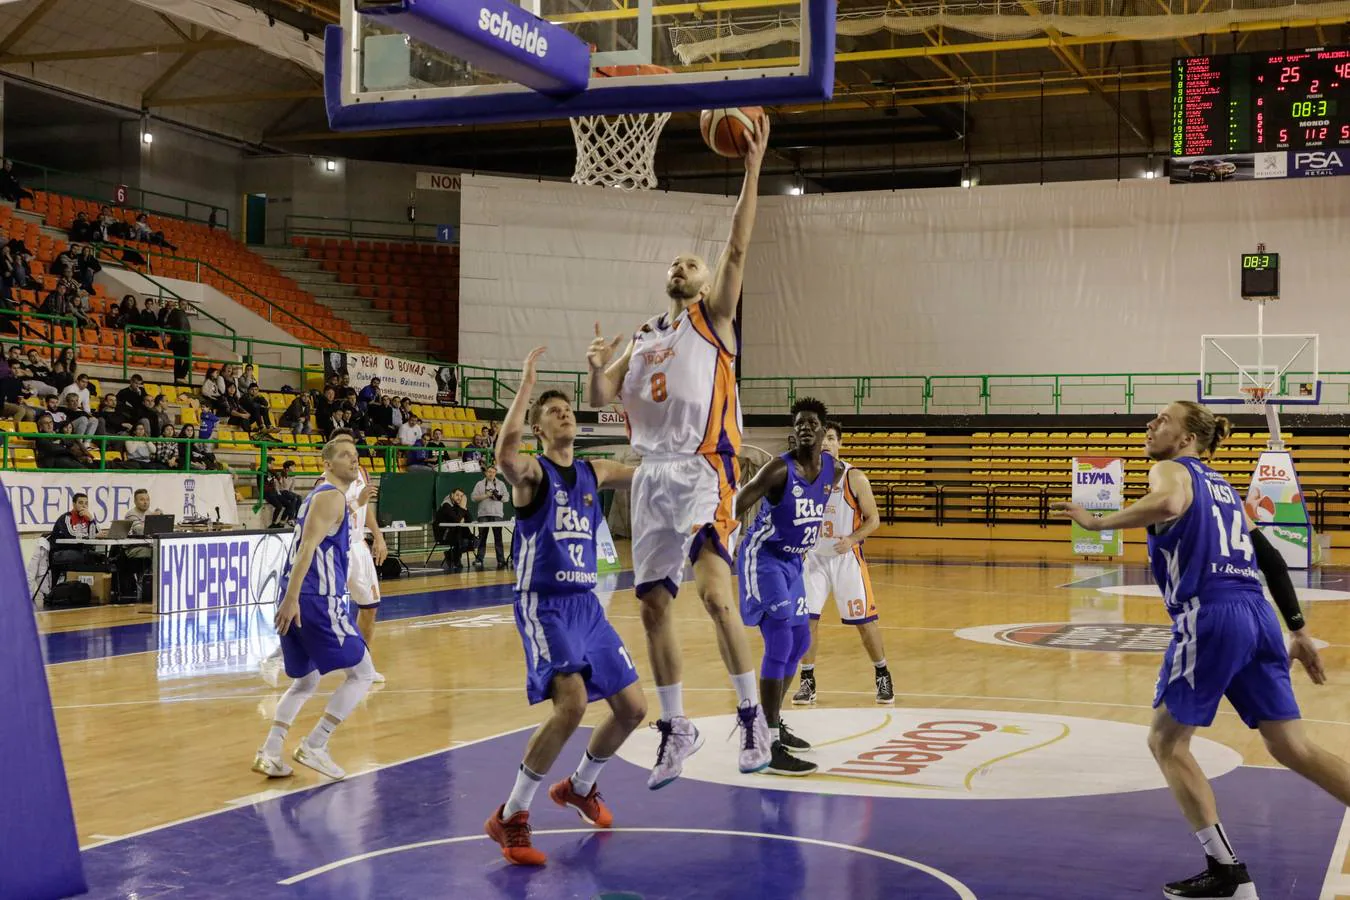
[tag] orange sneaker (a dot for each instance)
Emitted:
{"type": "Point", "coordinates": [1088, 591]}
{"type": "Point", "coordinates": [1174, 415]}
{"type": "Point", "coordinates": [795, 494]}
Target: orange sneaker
{"type": "Point", "coordinates": [514, 837]}
{"type": "Point", "coordinates": [591, 808]}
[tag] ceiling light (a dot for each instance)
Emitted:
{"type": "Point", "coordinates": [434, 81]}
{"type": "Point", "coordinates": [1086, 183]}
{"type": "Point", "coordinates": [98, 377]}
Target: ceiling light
{"type": "Point", "coordinates": [330, 165]}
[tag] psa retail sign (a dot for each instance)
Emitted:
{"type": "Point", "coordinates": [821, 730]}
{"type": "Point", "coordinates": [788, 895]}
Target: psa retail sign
{"type": "Point", "coordinates": [1315, 163]}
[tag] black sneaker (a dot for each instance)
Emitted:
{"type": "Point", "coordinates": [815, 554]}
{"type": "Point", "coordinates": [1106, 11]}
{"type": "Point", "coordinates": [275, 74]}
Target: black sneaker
{"type": "Point", "coordinates": [1218, 882]}
{"type": "Point", "coordinates": [885, 690]}
{"type": "Point", "coordinates": [806, 693]}
{"type": "Point", "coordinates": [783, 763]}
{"type": "Point", "coordinates": [790, 741]}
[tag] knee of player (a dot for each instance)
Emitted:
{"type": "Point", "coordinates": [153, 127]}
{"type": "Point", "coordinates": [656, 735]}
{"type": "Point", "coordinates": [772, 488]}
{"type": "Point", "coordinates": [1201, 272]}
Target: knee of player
{"type": "Point", "coordinates": [635, 712]}
{"type": "Point", "coordinates": [1289, 749]}
{"type": "Point", "coordinates": [1162, 745]}
{"type": "Point", "coordinates": [718, 602]}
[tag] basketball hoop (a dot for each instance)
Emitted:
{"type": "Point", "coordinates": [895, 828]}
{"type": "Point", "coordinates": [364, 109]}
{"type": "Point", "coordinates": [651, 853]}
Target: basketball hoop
{"type": "Point", "coordinates": [619, 150]}
{"type": "Point", "coordinates": [1254, 398]}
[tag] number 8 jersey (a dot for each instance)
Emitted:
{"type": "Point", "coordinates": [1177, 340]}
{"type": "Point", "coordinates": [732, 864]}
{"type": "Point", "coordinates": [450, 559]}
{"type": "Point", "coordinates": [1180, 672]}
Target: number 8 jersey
{"type": "Point", "coordinates": [1205, 553]}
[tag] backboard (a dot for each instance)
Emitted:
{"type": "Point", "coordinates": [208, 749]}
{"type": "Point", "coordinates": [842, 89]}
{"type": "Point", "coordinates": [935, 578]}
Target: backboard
{"type": "Point", "coordinates": [1283, 367]}
{"type": "Point", "coordinates": [379, 77]}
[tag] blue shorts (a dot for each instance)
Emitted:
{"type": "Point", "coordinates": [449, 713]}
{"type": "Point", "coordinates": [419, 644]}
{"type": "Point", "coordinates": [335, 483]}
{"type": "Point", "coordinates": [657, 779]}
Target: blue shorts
{"type": "Point", "coordinates": [566, 633]}
{"type": "Point", "coordinates": [771, 586]}
{"type": "Point", "coordinates": [1227, 647]}
{"type": "Point", "coordinates": [325, 638]}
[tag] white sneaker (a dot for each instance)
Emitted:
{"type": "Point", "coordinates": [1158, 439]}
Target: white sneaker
{"type": "Point", "coordinates": [679, 741]}
{"type": "Point", "coordinates": [377, 678]}
{"type": "Point", "coordinates": [317, 758]}
{"type": "Point", "coordinates": [270, 669]}
{"type": "Point", "coordinates": [756, 742]}
{"type": "Point", "coordinates": [271, 766]}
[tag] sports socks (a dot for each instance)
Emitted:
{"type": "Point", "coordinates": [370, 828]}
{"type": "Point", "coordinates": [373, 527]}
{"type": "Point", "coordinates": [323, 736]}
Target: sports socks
{"type": "Point", "coordinates": [1216, 844]}
{"type": "Point", "coordinates": [671, 699]}
{"type": "Point", "coordinates": [288, 707]}
{"type": "Point", "coordinates": [522, 795]}
{"type": "Point", "coordinates": [880, 665]}
{"type": "Point", "coordinates": [747, 691]}
{"type": "Point", "coordinates": [587, 773]}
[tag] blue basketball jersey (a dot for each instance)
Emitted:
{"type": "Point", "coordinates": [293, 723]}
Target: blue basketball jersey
{"type": "Point", "coordinates": [327, 575]}
{"type": "Point", "coordinates": [554, 543]}
{"type": "Point", "coordinates": [1206, 554]}
{"type": "Point", "coordinates": [791, 526]}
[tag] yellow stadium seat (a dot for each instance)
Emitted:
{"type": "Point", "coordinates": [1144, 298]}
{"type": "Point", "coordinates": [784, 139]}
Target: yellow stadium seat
{"type": "Point", "coordinates": [27, 428]}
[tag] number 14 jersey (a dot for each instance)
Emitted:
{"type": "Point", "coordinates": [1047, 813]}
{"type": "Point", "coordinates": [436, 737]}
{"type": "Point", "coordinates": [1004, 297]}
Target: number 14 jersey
{"type": "Point", "coordinates": [680, 390]}
{"type": "Point", "coordinates": [1205, 553]}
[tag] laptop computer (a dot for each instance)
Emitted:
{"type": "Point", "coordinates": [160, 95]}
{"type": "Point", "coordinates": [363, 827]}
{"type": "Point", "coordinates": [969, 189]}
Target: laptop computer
{"type": "Point", "coordinates": [119, 529]}
{"type": "Point", "coordinates": [158, 525]}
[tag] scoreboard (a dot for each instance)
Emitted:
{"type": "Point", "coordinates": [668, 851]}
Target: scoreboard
{"type": "Point", "coordinates": [1268, 114]}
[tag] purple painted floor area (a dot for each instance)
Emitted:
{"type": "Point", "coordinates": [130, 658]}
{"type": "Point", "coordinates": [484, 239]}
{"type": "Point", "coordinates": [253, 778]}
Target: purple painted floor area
{"type": "Point", "coordinates": [1115, 846]}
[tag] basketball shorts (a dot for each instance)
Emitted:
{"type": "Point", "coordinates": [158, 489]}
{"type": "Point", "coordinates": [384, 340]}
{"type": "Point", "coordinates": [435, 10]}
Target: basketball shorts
{"type": "Point", "coordinates": [362, 580]}
{"type": "Point", "coordinates": [771, 586]}
{"type": "Point", "coordinates": [325, 639]}
{"type": "Point", "coordinates": [679, 505]}
{"type": "Point", "coordinates": [566, 633]}
{"type": "Point", "coordinates": [1230, 647]}
{"type": "Point", "coordinates": [845, 576]}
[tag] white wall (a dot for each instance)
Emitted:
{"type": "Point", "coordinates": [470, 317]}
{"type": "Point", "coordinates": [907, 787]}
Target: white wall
{"type": "Point", "coordinates": [1076, 277]}
{"type": "Point", "coordinates": [540, 263]}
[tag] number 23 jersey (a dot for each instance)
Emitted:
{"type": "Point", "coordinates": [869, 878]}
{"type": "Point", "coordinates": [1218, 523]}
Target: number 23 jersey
{"type": "Point", "coordinates": [680, 389]}
{"type": "Point", "coordinates": [1206, 552]}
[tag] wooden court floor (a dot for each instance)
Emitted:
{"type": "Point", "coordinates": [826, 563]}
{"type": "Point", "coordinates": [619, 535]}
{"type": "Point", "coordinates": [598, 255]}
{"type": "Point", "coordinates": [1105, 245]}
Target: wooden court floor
{"type": "Point", "coordinates": [1051, 662]}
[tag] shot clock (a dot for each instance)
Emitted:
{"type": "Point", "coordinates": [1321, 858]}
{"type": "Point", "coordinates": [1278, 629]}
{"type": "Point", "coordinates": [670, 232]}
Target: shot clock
{"type": "Point", "coordinates": [1256, 102]}
{"type": "Point", "coordinates": [1260, 276]}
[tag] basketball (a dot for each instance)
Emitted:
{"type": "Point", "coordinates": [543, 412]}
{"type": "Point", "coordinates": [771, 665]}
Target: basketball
{"type": "Point", "coordinates": [727, 131]}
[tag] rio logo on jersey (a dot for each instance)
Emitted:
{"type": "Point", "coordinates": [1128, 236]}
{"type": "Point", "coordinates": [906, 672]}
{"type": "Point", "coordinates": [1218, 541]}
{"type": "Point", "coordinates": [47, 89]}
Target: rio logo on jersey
{"type": "Point", "coordinates": [807, 510]}
{"type": "Point", "coordinates": [1318, 162]}
{"type": "Point", "coordinates": [568, 521]}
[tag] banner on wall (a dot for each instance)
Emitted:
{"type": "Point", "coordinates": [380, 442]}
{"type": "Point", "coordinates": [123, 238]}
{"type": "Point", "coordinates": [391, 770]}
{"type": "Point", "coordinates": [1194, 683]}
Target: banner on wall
{"type": "Point", "coordinates": [1098, 485]}
{"type": "Point", "coordinates": [438, 181]}
{"type": "Point", "coordinates": [400, 377]}
{"type": "Point", "coordinates": [220, 569]}
{"type": "Point", "coordinates": [1275, 504]}
{"type": "Point", "coordinates": [40, 498]}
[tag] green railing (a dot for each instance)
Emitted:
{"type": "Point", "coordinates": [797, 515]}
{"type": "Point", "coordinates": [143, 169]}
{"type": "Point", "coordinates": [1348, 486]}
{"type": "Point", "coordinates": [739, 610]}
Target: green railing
{"type": "Point", "coordinates": [37, 177]}
{"type": "Point", "coordinates": [242, 348]}
{"type": "Point", "coordinates": [1011, 394]}
{"type": "Point", "coordinates": [105, 254]}
{"type": "Point", "coordinates": [359, 229]}
{"type": "Point", "coordinates": [107, 442]}
{"type": "Point", "coordinates": [29, 337]}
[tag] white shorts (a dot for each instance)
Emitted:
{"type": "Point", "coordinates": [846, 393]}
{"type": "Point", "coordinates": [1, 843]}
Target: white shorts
{"type": "Point", "coordinates": [679, 504]}
{"type": "Point", "coordinates": [845, 576]}
{"type": "Point", "coordinates": [363, 581]}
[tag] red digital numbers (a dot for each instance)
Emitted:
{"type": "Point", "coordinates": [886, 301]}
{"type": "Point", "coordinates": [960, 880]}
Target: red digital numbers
{"type": "Point", "coordinates": [1345, 132]}
{"type": "Point", "coordinates": [1289, 75]}
{"type": "Point", "coordinates": [1343, 69]}
{"type": "Point", "coordinates": [1284, 135]}
{"type": "Point", "coordinates": [1312, 88]}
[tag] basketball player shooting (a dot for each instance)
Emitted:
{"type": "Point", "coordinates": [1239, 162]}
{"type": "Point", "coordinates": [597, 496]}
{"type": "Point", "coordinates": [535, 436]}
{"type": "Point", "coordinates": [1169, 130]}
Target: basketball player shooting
{"type": "Point", "coordinates": [573, 656]}
{"type": "Point", "coordinates": [794, 487]}
{"type": "Point", "coordinates": [316, 636]}
{"type": "Point", "coordinates": [677, 380]}
{"type": "Point", "coordinates": [1225, 638]}
{"type": "Point", "coordinates": [836, 567]}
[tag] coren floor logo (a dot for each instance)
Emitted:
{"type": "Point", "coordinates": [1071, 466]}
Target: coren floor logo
{"type": "Point", "coordinates": [950, 754]}
{"type": "Point", "coordinates": [1108, 637]}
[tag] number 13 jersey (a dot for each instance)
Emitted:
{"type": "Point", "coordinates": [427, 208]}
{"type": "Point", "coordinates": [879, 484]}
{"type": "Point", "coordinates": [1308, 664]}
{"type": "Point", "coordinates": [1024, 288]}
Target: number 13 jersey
{"type": "Point", "coordinates": [680, 390]}
{"type": "Point", "coordinates": [1205, 553]}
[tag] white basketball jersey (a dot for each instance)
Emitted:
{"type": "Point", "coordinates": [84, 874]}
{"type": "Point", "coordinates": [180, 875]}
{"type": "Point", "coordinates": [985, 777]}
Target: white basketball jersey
{"type": "Point", "coordinates": [358, 511]}
{"type": "Point", "coordinates": [842, 517]}
{"type": "Point", "coordinates": [680, 391]}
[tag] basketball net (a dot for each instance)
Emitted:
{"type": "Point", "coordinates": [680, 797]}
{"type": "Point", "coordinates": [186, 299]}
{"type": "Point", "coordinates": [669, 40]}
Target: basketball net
{"type": "Point", "coordinates": [1254, 399]}
{"type": "Point", "coordinates": [618, 151]}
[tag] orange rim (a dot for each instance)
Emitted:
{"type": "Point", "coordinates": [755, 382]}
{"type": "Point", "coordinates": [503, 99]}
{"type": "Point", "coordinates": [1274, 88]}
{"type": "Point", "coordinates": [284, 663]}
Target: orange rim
{"type": "Point", "coordinates": [630, 71]}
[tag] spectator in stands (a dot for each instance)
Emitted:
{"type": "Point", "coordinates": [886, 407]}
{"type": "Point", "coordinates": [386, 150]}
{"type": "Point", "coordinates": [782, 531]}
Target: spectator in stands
{"type": "Point", "coordinates": [179, 344]}
{"type": "Point", "coordinates": [230, 407]}
{"type": "Point", "coordinates": [122, 314]}
{"type": "Point", "coordinates": [82, 231]}
{"type": "Point", "coordinates": [64, 263]}
{"type": "Point", "coordinates": [40, 376]}
{"type": "Point", "coordinates": [279, 492]}
{"type": "Point", "coordinates": [436, 446]}
{"type": "Point", "coordinates": [80, 389]}
{"type": "Point", "coordinates": [132, 397]}
{"type": "Point", "coordinates": [107, 225]}
{"type": "Point", "coordinates": [53, 409]}
{"type": "Point", "coordinates": [10, 188]}
{"type": "Point", "coordinates": [405, 409]}
{"type": "Point", "coordinates": [60, 378]}
{"type": "Point", "coordinates": [418, 458]}
{"type": "Point", "coordinates": [67, 359]}
{"type": "Point", "coordinates": [21, 370]}
{"type": "Point", "coordinates": [324, 407]}
{"type": "Point", "coordinates": [342, 417]}
{"type": "Point", "coordinates": [246, 379]}
{"type": "Point", "coordinates": [380, 418]}
{"type": "Point", "coordinates": [476, 452]}
{"type": "Point", "coordinates": [138, 454]}
{"type": "Point", "coordinates": [160, 418]}
{"type": "Point", "coordinates": [61, 302]}
{"type": "Point", "coordinates": [211, 220]}
{"type": "Point", "coordinates": [55, 453]}
{"type": "Point", "coordinates": [200, 456]}
{"type": "Point", "coordinates": [410, 432]}
{"type": "Point", "coordinates": [489, 494]}
{"type": "Point", "coordinates": [141, 231]}
{"type": "Point", "coordinates": [213, 386]}
{"type": "Point", "coordinates": [15, 265]}
{"type": "Point", "coordinates": [112, 418]}
{"type": "Point", "coordinates": [150, 319]}
{"type": "Point", "coordinates": [453, 511]}
{"type": "Point", "coordinates": [78, 421]}
{"type": "Point", "coordinates": [259, 410]}
{"type": "Point", "coordinates": [370, 393]}
{"type": "Point", "coordinates": [86, 267]}
{"type": "Point", "coordinates": [296, 416]}
{"type": "Point", "coordinates": [12, 393]}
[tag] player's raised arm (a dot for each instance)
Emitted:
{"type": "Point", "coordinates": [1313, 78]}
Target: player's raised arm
{"type": "Point", "coordinates": [607, 373]}
{"type": "Point", "coordinates": [1169, 496]}
{"type": "Point", "coordinates": [326, 512]}
{"type": "Point", "coordinates": [611, 474]}
{"type": "Point", "coordinates": [867, 505]}
{"type": "Point", "coordinates": [770, 478]}
{"type": "Point", "coordinates": [726, 287]}
{"type": "Point", "coordinates": [521, 470]}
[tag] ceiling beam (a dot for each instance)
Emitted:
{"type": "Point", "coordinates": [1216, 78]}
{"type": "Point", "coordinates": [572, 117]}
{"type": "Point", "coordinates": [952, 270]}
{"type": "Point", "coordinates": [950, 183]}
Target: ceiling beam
{"type": "Point", "coordinates": [173, 26]}
{"type": "Point", "coordinates": [113, 52]}
{"type": "Point", "coordinates": [246, 97]}
{"type": "Point", "coordinates": [26, 25]}
{"type": "Point", "coordinates": [152, 90]}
